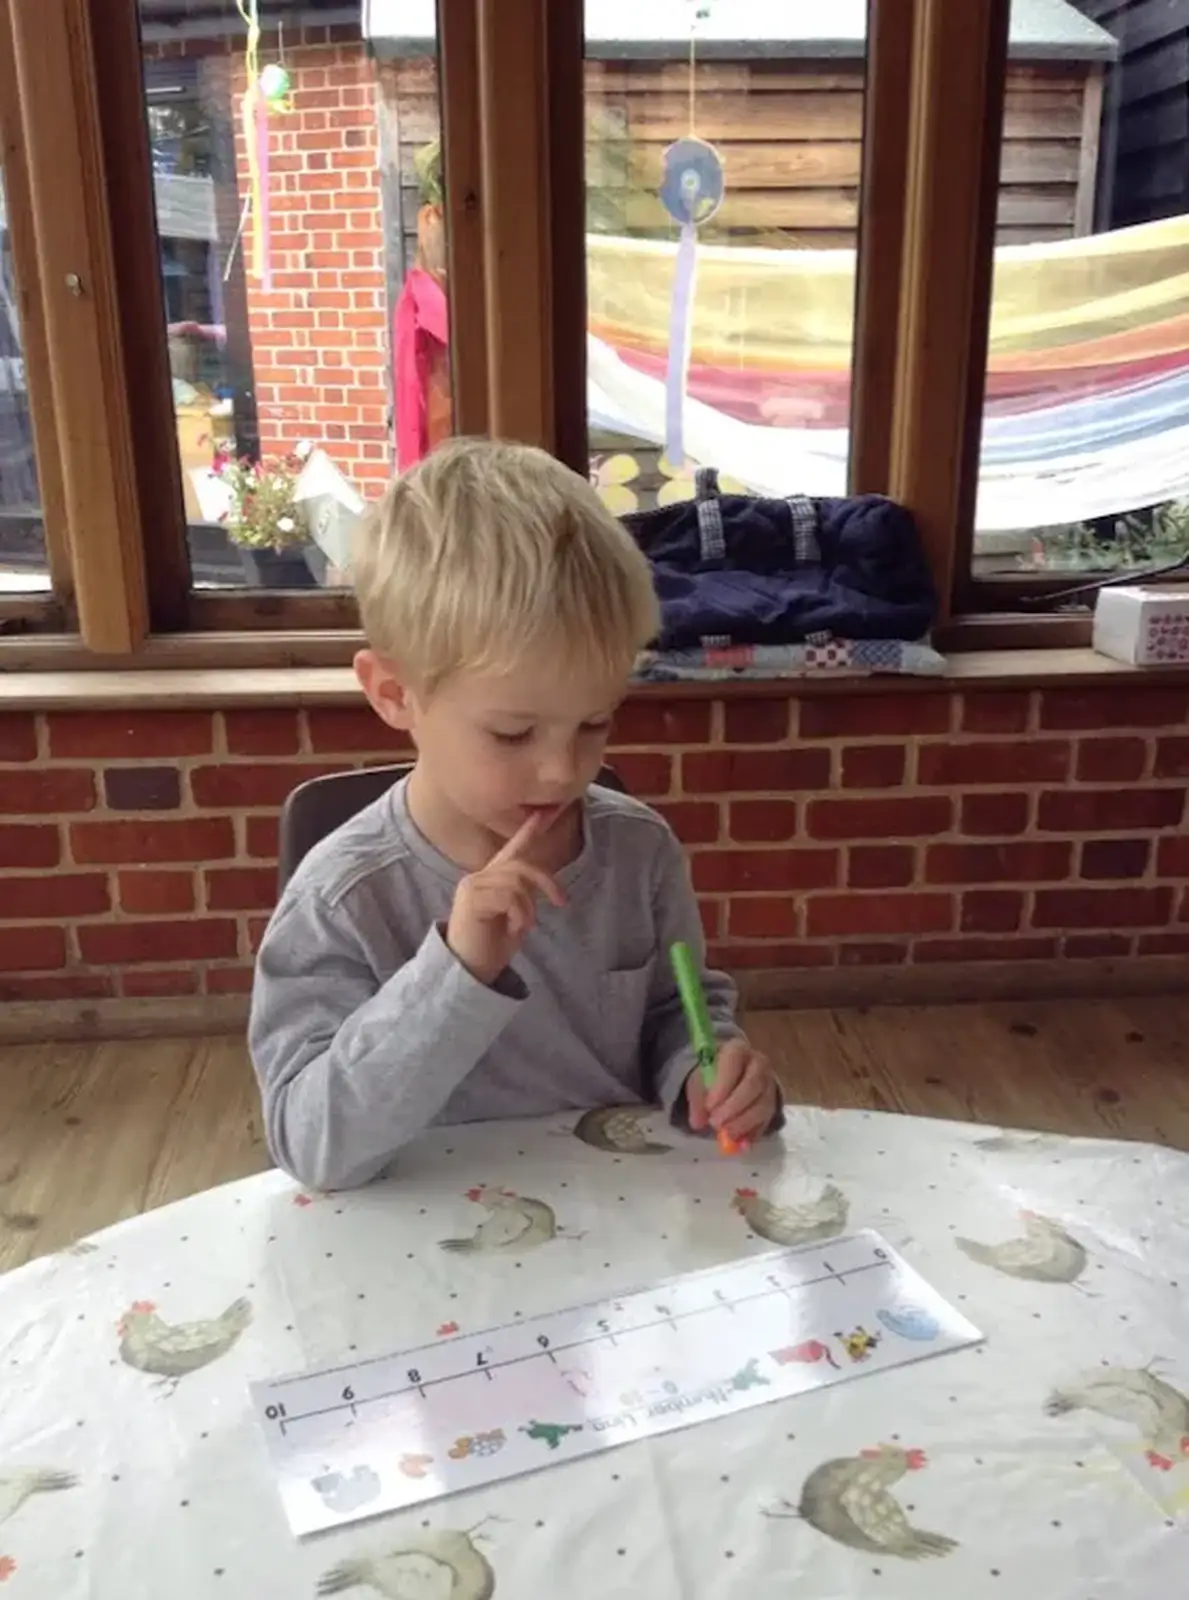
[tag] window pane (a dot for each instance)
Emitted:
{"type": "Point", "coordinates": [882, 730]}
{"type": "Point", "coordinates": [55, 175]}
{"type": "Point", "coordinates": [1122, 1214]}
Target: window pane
{"type": "Point", "coordinates": [287, 242]}
{"type": "Point", "coordinates": [1085, 450]}
{"type": "Point", "coordinates": [23, 564]}
{"type": "Point", "coordinates": [758, 298]}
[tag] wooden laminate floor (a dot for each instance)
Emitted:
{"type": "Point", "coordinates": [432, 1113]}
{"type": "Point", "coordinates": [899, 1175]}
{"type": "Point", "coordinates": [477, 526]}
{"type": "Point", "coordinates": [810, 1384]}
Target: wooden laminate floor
{"type": "Point", "coordinates": [92, 1133]}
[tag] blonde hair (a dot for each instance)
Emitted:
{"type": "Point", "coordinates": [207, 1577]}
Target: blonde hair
{"type": "Point", "coordinates": [487, 551]}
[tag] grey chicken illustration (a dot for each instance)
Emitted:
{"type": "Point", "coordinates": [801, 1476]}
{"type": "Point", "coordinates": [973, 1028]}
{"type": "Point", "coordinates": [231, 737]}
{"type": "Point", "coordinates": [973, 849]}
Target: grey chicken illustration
{"type": "Point", "coordinates": [172, 1350]}
{"type": "Point", "coordinates": [1045, 1254]}
{"type": "Point", "coordinates": [442, 1563]}
{"type": "Point", "coordinates": [800, 1223]}
{"type": "Point", "coordinates": [1134, 1395]}
{"type": "Point", "coordinates": [849, 1500]}
{"type": "Point", "coordinates": [514, 1223]}
{"type": "Point", "coordinates": [617, 1128]}
{"type": "Point", "coordinates": [17, 1487]}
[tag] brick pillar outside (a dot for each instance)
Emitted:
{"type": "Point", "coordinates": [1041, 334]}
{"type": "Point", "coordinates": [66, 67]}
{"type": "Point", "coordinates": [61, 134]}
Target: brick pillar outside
{"type": "Point", "coordinates": [320, 339]}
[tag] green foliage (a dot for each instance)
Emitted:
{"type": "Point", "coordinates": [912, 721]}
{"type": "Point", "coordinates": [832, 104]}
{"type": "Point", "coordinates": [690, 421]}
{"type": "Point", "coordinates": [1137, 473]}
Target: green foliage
{"type": "Point", "coordinates": [1140, 539]}
{"type": "Point", "coordinates": [263, 513]}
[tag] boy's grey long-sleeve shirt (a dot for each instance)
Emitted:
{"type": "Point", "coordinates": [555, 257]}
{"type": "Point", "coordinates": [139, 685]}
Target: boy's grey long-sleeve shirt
{"type": "Point", "coordinates": [365, 1029]}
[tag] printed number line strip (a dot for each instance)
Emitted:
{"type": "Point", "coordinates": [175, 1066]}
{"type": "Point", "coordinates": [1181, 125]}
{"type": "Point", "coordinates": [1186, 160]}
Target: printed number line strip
{"type": "Point", "coordinates": [751, 1266]}
{"type": "Point", "coordinates": [543, 1354]}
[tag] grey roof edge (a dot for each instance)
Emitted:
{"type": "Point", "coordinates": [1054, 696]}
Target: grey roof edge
{"type": "Point", "coordinates": [1043, 31]}
{"type": "Point", "coordinates": [393, 48]}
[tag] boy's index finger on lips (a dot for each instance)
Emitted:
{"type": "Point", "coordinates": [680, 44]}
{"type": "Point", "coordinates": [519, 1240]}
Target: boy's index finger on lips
{"type": "Point", "coordinates": [541, 881]}
{"type": "Point", "coordinates": [528, 830]}
{"type": "Point", "coordinates": [510, 859]}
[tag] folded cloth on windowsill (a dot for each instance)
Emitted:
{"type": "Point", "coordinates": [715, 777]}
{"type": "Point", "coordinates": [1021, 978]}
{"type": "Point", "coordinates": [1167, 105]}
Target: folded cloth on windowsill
{"type": "Point", "coordinates": [820, 657]}
{"type": "Point", "coordinates": [735, 570]}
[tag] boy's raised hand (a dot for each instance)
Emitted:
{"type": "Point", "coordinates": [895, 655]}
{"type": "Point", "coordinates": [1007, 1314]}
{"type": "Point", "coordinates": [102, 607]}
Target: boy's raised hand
{"type": "Point", "coordinates": [495, 907]}
{"type": "Point", "coordinates": [744, 1098]}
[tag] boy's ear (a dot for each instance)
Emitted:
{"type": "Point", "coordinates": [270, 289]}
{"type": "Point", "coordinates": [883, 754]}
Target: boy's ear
{"type": "Point", "coordinates": [388, 697]}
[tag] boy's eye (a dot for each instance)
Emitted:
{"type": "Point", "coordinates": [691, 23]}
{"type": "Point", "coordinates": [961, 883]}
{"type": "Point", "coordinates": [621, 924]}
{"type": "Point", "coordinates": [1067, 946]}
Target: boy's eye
{"type": "Point", "coordinates": [595, 727]}
{"type": "Point", "coordinates": [522, 737]}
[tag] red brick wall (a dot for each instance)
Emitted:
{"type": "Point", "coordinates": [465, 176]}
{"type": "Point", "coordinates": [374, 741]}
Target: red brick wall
{"type": "Point", "coordinates": [137, 849]}
{"type": "Point", "coordinates": [320, 340]}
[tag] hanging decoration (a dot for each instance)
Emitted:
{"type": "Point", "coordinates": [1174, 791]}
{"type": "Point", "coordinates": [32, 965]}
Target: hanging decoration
{"type": "Point", "coordinates": [691, 192]}
{"type": "Point", "coordinates": [266, 89]}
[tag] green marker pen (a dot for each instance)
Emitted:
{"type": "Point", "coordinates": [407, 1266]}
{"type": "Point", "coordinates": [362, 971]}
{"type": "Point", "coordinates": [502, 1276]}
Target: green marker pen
{"type": "Point", "coordinates": [701, 1029]}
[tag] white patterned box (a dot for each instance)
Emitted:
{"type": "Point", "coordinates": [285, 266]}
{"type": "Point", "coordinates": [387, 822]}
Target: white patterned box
{"type": "Point", "coordinates": [1146, 626]}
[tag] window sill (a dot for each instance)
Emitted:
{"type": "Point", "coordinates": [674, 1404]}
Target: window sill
{"type": "Point", "coordinates": [173, 687]}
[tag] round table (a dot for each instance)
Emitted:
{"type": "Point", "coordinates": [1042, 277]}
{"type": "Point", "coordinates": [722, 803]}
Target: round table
{"type": "Point", "coordinates": [1052, 1460]}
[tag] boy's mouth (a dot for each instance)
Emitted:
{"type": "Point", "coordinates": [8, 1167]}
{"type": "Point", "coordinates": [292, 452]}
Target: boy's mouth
{"type": "Point", "coordinates": [548, 814]}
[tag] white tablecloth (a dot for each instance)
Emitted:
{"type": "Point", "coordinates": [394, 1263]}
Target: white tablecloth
{"type": "Point", "coordinates": [1052, 1461]}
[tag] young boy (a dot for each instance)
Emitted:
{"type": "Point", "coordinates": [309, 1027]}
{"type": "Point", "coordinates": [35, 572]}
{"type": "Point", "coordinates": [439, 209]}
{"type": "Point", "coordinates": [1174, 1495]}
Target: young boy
{"type": "Point", "coordinates": [491, 938]}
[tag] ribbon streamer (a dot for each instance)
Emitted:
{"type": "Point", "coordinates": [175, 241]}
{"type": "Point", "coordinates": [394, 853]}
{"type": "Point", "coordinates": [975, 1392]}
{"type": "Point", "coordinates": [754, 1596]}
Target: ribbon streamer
{"type": "Point", "coordinates": [254, 114]}
{"type": "Point", "coordinates": [691, 193]}
{"type": "Point", "coordinates": [263, 236]}
{"type": "Point", "coordinates": [681, 306]}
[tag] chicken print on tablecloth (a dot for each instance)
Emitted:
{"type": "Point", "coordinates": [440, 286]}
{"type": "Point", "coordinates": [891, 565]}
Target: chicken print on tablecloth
{"type": "Point", "coordinates": [849, 1500]}
{"type": "Point", "coordinates": [1137, 1396]}
{"type": "Point", "coordinates": [619, 1129]}
{"type": "Point", "coordinates": [1013, 1143]}
{"type": "Point", "coordinates": [799, 1223]}
{"type": "Point", "coordinates": [1046, 1253]}
{"type": "Point", "coordinates": [434, 1565]}
{"type": "Point", "coordinates": [170, 1351]}
{"type": "Point", "coordinates": [16, 1488]}
{"type": "Point", "coordinates": [514, 1223]}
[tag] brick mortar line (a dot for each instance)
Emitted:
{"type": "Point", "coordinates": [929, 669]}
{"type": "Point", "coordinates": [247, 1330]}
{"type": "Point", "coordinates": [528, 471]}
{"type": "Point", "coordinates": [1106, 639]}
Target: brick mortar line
{"type": "Point", "coordinates": [798, 840]}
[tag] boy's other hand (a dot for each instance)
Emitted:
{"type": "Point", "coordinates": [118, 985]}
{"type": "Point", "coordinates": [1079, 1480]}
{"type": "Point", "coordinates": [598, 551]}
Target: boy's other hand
{"type": "Point", "coordinates": [744, 1097]}
{"type": "Point", "coordinates": [495, 907]}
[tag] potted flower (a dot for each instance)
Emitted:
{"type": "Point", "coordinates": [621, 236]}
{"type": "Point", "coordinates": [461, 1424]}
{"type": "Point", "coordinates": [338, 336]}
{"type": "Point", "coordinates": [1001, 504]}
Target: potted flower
{"type": "Point", "coordinates": [264, 520]}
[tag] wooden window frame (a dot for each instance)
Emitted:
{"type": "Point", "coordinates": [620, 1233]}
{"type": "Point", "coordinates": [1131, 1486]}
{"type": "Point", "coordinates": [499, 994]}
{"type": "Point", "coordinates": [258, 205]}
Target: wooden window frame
{"type": "Point", "coordinates": [513, 152]}
{"type": "Point", "coordinates": [52, 610]}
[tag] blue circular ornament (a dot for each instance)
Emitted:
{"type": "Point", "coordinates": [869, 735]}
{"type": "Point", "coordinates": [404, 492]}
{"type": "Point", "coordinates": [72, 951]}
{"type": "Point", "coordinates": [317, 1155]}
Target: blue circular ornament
{"type": "Point", "coordinates": [692, 187]}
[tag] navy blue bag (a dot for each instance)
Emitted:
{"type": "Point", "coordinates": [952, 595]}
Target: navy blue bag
{"type": "Point", "coordinates": [733, 569]}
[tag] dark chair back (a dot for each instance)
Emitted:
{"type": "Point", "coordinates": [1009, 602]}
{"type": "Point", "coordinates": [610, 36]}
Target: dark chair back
{"type": "Point", "coordinates": [320, 805]}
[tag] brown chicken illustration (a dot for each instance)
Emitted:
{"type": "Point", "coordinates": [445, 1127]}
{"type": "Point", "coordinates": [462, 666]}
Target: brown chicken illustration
{"type": "Point", "coordinates": [171, 1350]}
{"type": "Point", "coordinates": [1137, 1396]}
{"type": "Point", "coordinates": [1046, 1253]}
{"type": "Point", "coordinates": [801, 1223]}
{"type": "Point", "coordinates": [849, 1500]}
{"type": "Point", "coordinates": [17, 1487]}
{"type": "Point", "coordinates": [439, 1563]}
{"type": "Point", "coordinates": [514, 1223]}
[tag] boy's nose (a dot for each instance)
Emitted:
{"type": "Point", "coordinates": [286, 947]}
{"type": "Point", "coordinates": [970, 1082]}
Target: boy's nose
{"type": "Point", "coordinates": [558, 772]}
